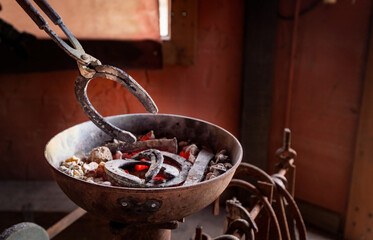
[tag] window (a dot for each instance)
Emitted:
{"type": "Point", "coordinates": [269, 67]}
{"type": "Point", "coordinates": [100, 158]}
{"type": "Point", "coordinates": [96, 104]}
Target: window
{"type": "Point", "coordinates": [127, 34]}
{"type": "Point", "coordinates": [96, 19]}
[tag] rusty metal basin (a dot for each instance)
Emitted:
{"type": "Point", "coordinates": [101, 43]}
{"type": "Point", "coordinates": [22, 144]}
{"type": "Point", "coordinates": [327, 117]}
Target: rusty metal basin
{"type": "Point", "coordinates": [145, 205]}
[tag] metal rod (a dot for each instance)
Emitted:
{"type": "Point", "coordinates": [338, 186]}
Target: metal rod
{"type": "Point", "coordinates": [282, 171]}
{"type": "Point", "coordinates": [198, 234]}
{"type": "Point", "coordinates": [293, 52]}
{"type": "Point", "coordinates": [77, 52]}
{"type": "Point", "coordinates": [33, 13]}
{"type": "Point", "coordinates": [256, 210]}
{"type": "Point", "coordinates": [65, 222]}
{"type": "Point", "coordinates": [49, 11]}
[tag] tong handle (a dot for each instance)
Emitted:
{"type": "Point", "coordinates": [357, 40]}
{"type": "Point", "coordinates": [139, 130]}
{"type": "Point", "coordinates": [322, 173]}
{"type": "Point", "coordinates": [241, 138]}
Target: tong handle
{"type": "Point", "coordinates": [33, 13]}
{"type": "Point", "coordinates": [49, 11]}
{"type": "Point", "coordinates": [77, 52]}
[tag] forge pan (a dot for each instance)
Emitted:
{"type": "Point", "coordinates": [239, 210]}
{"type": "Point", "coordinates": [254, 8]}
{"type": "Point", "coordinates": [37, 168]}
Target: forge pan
{"type": "Point", "coordinates": [145, 205]}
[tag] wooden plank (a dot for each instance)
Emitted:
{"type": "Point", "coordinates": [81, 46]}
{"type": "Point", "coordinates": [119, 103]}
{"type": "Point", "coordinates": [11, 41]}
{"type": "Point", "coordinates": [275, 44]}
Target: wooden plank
{"type": "Point", "coordinates": [45, 55]}
{"type": "Point", "coordinates": [65, 222]}
{"type": "Point", "coordinates": [259, 41]}
{"type": "Point", "coordinates": [123, 34]}
{"type": "Point", "coordinates": [359, 220]}
{"type": "Point", "coordinates": [181, 48]}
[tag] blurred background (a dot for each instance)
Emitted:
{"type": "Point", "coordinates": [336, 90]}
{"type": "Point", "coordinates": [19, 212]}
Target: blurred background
{"type": "Point", "coordinates": [252, 67]}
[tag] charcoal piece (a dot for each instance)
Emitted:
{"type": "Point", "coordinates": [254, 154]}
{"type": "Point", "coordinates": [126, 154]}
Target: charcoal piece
{"type": "Point", "coordinates": [100, 154]}
{"type": "Point", "coordinates": [192, 150]}
{"type": "Point", "coordinates": [218, 167]}
{"type": "Point", "coordinates": [210, 175]}
{"type": "Point", "coordinates": [228, 165]}
{"type": "Point", "coordinates": [197, 171]}
{"type": "Point", "coordinates": [183, 144]}
{"type": "Point", "coordinates": [221, 157]}
{"type": "Point", "coordinates": [149, 136]}
{"type": "Point", "coordinates": [169, 145]}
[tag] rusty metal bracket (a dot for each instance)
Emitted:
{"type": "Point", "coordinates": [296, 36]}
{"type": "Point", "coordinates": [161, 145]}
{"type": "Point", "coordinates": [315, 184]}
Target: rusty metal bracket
{"type": "Point", "coordinates": [286, 154]}
{"type": "Point", "coordinates": [131, 205]}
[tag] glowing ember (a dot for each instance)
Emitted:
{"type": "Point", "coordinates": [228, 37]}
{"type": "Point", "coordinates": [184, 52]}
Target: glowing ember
{"type": "Point", "coordinates": [141, 167]}
{"type": "Point", "coordinates": [184, 154]}
{"type": "Point", "coordinates": [158, 178]}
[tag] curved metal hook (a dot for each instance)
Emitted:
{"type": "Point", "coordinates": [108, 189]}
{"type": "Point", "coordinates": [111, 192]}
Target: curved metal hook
{"type": "Point", "coordinates": [117, 75]}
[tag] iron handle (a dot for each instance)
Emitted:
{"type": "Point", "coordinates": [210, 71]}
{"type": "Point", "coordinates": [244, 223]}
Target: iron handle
{"type": "Point", "coordinates": [49, 11]}
{"type": "Point", "coordinates": [33, 13]}
{"type": "Point", "coordinates": [77, 51]}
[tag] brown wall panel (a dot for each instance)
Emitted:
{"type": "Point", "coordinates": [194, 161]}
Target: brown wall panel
{"type": "Point", "coordinates": [325, 96]}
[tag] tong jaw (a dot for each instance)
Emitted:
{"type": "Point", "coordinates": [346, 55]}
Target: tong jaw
{"type": "Point", "coordinates": [88, 70]}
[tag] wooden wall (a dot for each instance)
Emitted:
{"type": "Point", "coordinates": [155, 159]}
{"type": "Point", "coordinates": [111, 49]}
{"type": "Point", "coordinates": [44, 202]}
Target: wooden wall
{"type": "Point", "coordinates": [359, 219]}
{"type": "Point", "coordinates": [36, 106]}
{"type": "Point", "coordinates": [326, 96]}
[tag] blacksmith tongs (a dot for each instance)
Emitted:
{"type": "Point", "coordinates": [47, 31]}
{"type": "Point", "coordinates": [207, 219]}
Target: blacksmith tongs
{"type": "Point", "coordinates": [89, 68]}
